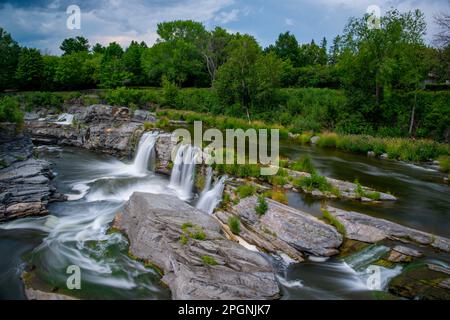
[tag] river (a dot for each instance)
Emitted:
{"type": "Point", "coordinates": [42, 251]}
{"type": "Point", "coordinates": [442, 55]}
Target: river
{"type": "Point", "coordinates": [98, 185]}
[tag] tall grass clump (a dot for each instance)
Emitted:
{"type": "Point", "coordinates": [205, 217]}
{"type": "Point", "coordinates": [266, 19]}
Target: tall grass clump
{"type": "Point", "coordinates": [334, 221]}
{"type": "Point", "coordinates": [327, 140]}
{"type": "Point", "coordinates": [235, 224]}
{"type": "Point", "coordinates": [245, 191]}
{"type": "Point", "coordinates": [10, 110]}
{"type": "Point", "coordinates": [261, 207]}
{"type": "Point", "coordinates": [444, 163]}
{"type": "Point", "coordinates": [304, 164]}
{"type": "Point", "coordinates": [315, 181]}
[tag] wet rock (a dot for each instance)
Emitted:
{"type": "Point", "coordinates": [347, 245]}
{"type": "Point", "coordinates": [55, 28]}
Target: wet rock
{"type": "Point", "coordinates": [164, 147]}
{"type": "Point", "coordinates": [144, 116]}
{"type": "Point", "coordinates": [370, 229]}
{"type": "Point", "coordinates": [314, 139]}
{"type": "Point", "coordinates": [25, 182]}
{"type": "Point", "coordinates": [213, 268]}
{"type": "Point", "coordinates": [427, 282]}
{"type": "Point", "coordinates": [33, 294]}
{"type": "Point", "coordinates": [286, 229]}
{"type": "Point", "coordinates": [370, 154]}
{"type": "Point", "coordinates": [384, 156]}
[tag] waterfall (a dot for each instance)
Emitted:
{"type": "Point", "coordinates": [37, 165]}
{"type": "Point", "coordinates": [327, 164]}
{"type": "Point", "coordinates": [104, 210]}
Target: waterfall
{"type": "Point", "coordinates": [209, 175]}
{"type": "Point", "coordinates": [145, 148]}
{"type": "Point", "coordinates": [211, 198]}
{"type": "Point", "coordinates": [65, 119]}
{"type": "Point", "coordinates": [183, 172]}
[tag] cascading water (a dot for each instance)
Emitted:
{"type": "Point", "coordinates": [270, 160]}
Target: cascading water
{"type": "Point", "coordinates": [183, 172]}
{"type": "Point", "coordinates": [145, 148]}
{"type": "Point", "coordinates": [211, 198]}
{"type": "Point", "coordinates": [65, 119]}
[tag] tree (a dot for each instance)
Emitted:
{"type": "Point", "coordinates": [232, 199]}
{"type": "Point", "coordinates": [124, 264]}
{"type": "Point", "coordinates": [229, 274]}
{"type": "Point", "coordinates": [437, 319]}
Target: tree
{"type": "Point", "coordinates": [72, 45]}
{"type": "Point", "coordinates": [112, 68]}
{"type": "Point", "coordinates": [72, 72]}
{"type": "Point", "coordinates": [9, 58]}
{"type": "Point", "coordinates": [98, 48]}
{"type": "Point", "coordinates": [29, 69]}
{"type": "Point", "coordinates": [187, 30]}
{"type": "Point", "coordinates": [132, 62]}
{"type": "Point", "coordinates": [373, 60]}
{"type": "Point", "coordinates": [49, 72]}
{"type": "Point", "coordinates": [286, 47]}
{"type": "Point", "coordinates": [249, 78]}
{"type": "Point", "coordinates": [213, 49]}
{"type": "Point", "coordinates": [442, 38]}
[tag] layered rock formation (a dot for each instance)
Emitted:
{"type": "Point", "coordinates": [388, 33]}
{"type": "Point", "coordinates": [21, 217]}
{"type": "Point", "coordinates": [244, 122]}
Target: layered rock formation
{"type": "Point", "coordinates": [284, 229]}
{"type": "Point", "coordinates": [25, 182]}
{"type": "Point", "coordinates": [197, 260]}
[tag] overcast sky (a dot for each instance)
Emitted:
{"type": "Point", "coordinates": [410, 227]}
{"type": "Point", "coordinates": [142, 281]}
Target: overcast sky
{"type": "Point", "coordinates": [42, 23]}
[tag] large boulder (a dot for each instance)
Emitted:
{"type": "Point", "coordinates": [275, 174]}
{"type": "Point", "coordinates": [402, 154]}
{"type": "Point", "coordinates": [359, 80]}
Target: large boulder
{"type": "Point", "coordinates": [366, 228]}
{"type": "Point", "coordinates": [168, 233]}
{"type": "Point", "coordinates": [285, 229]}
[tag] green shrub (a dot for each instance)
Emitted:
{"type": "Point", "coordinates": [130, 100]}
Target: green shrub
{"type": "Point", "coordinates": [235, 224]}
{"type": "Point", "coordinates": [245, 191]}
{"type": "Point", "coordinates": [162, 122]}
{"type": "Point", "coordinates": [261, 207]}
{"type": "Point", "coordinates": [304, 164]}
{"type": "Point", "coordinates": [277, 195]}
{"type": "Point", "coordinates": [148, 126]}
{"type": "Point", "coordinates": [48, 100]}
{"type": "Point", "coordinates": [327, 139]}
{"type": "Point", "coordinates": [10, 110]}
{"type": "Point", "coordinates": [208, 260]}
{"type": "Point", "coordinates": [444, 163]}
{"type": "Point", "coordinates": [315, 181]}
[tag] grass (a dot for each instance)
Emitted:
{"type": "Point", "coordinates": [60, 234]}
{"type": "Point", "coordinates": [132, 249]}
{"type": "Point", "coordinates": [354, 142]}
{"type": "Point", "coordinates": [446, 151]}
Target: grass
{"type": "Point", "coordinates": [192, 231]}
{"type": "Point", "coordinates": [277, 195]}
{"type": "Point", "coordinates": [334, 222]}
{"type": "Point", "coordinates": [305, 137]}
{"type": "Point", "coordinates": [245, 191]}
{"type": "Point", "coordinates": [315, 181]}
{"type": "Point", "coordinates": [148, 126]}
{"type": "Point", "coordinates": [261, 207]}
{"type": "Point", "coordinates": [444, 163]}
{"type": "Point", "coordinates": [235, 224]}
{"type": "Point", "coordinates": [303, 164]}
{"type": "Point", "coordinates": [162, 122]}
{"type": "Point", "coordinates": [183, 239]}
{"type": "Point", "coordinates": [359, 190]}
{"type": "Point", "coordinates": [208, 260]}
{"type": "Point", "coordinates": [327, 140]}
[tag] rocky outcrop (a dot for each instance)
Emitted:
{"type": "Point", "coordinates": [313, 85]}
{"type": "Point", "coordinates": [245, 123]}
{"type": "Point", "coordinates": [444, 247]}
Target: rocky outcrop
{"type": "Point", "coordinates": [284, 229]}
{"type": "Point", "coordinates": [164, 147]}
{"type": "Point", "coordinates": [197, 260]}
{"type": "Point", "coordinates": [345, 189]}
{"type": "Point", "coordinates": [422, 281]}
{"type": "Point", "coordinates": [25, 182]}
{"type": "Point", "coordinates": [370, 229]}
{"type": "Point", "coordinates": [101, 128]}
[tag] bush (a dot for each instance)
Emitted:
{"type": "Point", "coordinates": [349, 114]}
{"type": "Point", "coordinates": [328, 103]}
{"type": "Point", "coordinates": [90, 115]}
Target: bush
{"type": "Point", "coordinates": [444, 163]}
{"type": "Point", "coordinates": [315, 181]}
{"type": "Point", "coordinates": [235, 224]}
{"type": "Point", "coordinates": [303, 164]}
{"type": "Point", "coordinates": [48, 100]}
{"type": "Point", "coordinates": [245, 191]}
{"type": "Point", "coordinates": [148, 126]}
{"type": "Point", "coordinates": [278, 196]}
{"type": "Point", "coordinates": [10, 110]}
{"type": "Point", "coordinates": [261, 207]}
{"type": "Point", "coordinates": [162, 122]}
{"type": "Point", "coordinates": [327, 139]}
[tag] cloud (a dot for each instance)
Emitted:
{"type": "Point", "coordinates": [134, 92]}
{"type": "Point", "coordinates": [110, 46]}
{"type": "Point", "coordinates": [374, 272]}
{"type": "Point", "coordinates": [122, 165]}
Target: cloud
{"type": "Point", "coordinates": [227, 17]}
{"type": "Point", "coordinates": [289, 21]}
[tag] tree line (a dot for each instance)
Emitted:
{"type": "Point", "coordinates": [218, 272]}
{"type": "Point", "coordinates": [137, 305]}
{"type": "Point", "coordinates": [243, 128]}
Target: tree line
{"type": "Point", "coordinates": [380, 70]}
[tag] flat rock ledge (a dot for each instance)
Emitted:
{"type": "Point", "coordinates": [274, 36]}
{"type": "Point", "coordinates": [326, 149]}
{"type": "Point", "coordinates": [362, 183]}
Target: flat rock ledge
{"type": "Point", "coordinates": [33, 294]}
{"type": "Point", "coordinates": [160, 229]}
{"type": "Point", "coordinates": [369, 229]}
{"type": "Point", "coordinates": [284, 229]}
{"type": "Point", "coordinates": [347, 190]}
